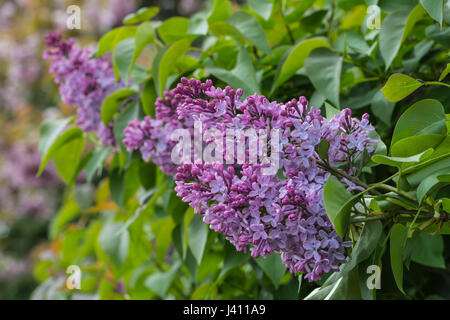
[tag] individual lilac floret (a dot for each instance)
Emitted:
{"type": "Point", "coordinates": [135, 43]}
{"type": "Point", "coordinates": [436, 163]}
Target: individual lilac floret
{"type": "Point", "coordinates": [84, 82]}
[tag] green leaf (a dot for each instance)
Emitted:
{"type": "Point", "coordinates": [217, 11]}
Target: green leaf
{"type": "Point", "coordinates": [295, 59]}
{"type": "Point", "coordinates": [335, 196]}
{"type": "Point", "coordinates": [399, 235]}
{"type": "Point", "coordinates": [49, 132]}
{"type": "Point", "coordinates": [198, 24]}
{"type": "Point", "coordinates": [351, 42]}
{"type": "Point", "coordinates": [382, 108]}
{"type": "Point", "coordinates": [398, 161]}
{"type": "Point", "coordinates": [221, 29]}
{"type": "Point", "coordinates": [122, 58]}
{"type": "Point", "coordinates": [148, 98]}
{"type": "Point", "coordinates": [161, 282]}
{"type": "Point", "coordinates": [399, 86]}
{"type": "Point", "coordinates": [272, 267]}
{"type": "Point", "coordinates": [428, 168]}
{"type": "Point", "coordinates": [428, 251]}
{"type": "Point", "coordinates": [202, 292]}
{"type": "Point", "coordinates": [69, 135]}
{"type": "Point", "coordinates": [110, 40]}
{"type": "Point", "coordinates": [362, 250]}
{"type": "Point", "coordinates": [322, 149]}
{"type": "Point", "coordinates": [67, 213]}
{"type": "Point", "coordinates": [116, 186]}
{"type": "Point", "coordinates": [95, 163]}
{"type": "Point", "coordinates": [432, 183]}
{"type": "Point", "coordinates": [221, 11]}
{"type": "Point", "coordinates": [262, 7]}
{"type": "Point", "coordinates": [143, 14]}
{"type": "Point", "coordinates": [112, 104]}
{"type": "Point", "coordinates": [145, 34]}
{"type": "Point", "coordinates": [435, 9]}
{"type": "Point", "coordinates": [420, 50]}
{"type": "Point", "coordinates": [147, 175]}
{"type": "Point", "coordinates": [410, 146]}
{"type": "Point", "coordinates": [164, 63]}
{"type": "Point", "coordinates": [197, 236]}
{"type": "Point", "coordinates": [331, 111]}
{"type": "Point", "coordinates": [232, 259]}
{"type": "Point", "coordinates": [424, 117]}
{"type": "Point", "coordinates": [396, 27]}
{"type": "Point", "coordinates": [356, 17]}
{"type": "Point", "coordinates": [69, 153]}
{"type": "Point", "coordinates": [323, 68]}
{"type": "Point", "coordinates": [163, 238]}
{"type": "Point", "coordinates": [242, 76]}
{"type": "Point", "coordinates": [299, 11]}
{"type": "Point", "coordinates": [364, 247]}
{"type": "Point", "coordinates": [115, 242]}
{"type": "Point", "coordinates": [174, 29]}
{"type": "Point", "coordinates": [438, 34]}
{"type": "Point", "coordinates": [179, 240]}
{"type": "Point", "coordinates": [313, 21]}
{"type": "Point", "coordinates": [344, 288]}
{"type": "Point", "coordinates": [277, 53]}
{"type": "Point", "coordinates": [176, 208]}
{"type": "Point", "coordinates": [131, 181]}
{"type": "Point", "coordinates": [445, 72]}
{"type": "Point", "coordinates": [251, 29]}
{"type": "Point", "coordinates": [130, 113]}
{"type": "Point", "coordinates": [391, 6]}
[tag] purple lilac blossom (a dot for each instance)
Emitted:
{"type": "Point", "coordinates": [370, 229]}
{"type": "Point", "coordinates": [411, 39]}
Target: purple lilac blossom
{"type": "Point", "coordinates": [84, 82]}
{"type": "Point", "coordinates": [269, 214]}
{"type": "Point", "coordinates": [152, 136]}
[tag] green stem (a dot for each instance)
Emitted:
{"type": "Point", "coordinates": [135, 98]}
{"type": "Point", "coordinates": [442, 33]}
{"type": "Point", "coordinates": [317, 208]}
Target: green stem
{"type": "Point", "coordinates": [343, 174]}
{"type": "Point", "coordinates": [437, 83]}
{"type": "Point", "coordinates": [289, 31]}
{"type": "Point", "coordinates": [372, 218]}
{"type": "Point", "coordinates": [402, 193]}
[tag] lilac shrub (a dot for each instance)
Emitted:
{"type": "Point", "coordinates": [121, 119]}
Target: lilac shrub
{"type": "Point", "coordinates": [84, 82]}
{"type": "Point", "coordinates": [21, 191]}
{"type": "Point", "coordinates": [281, 213]}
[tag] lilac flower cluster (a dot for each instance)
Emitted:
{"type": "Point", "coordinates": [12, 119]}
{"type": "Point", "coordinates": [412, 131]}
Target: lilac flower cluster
{"type": "Point", "coordinates": [281, 213]}
{"type": "Point", "coordinates": [152, 136]}
{"type": "Point", "coordinates": [84, 82]}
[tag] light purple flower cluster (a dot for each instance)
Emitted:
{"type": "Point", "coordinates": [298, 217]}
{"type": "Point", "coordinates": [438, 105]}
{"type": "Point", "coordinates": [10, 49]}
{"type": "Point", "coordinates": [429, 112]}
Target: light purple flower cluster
{"type": "Point", "coordinates": [152, 136]}
{"type": "Point", "coordinates": [281, 213]}
{"type": "Point", "coordinates": [84, 82]}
